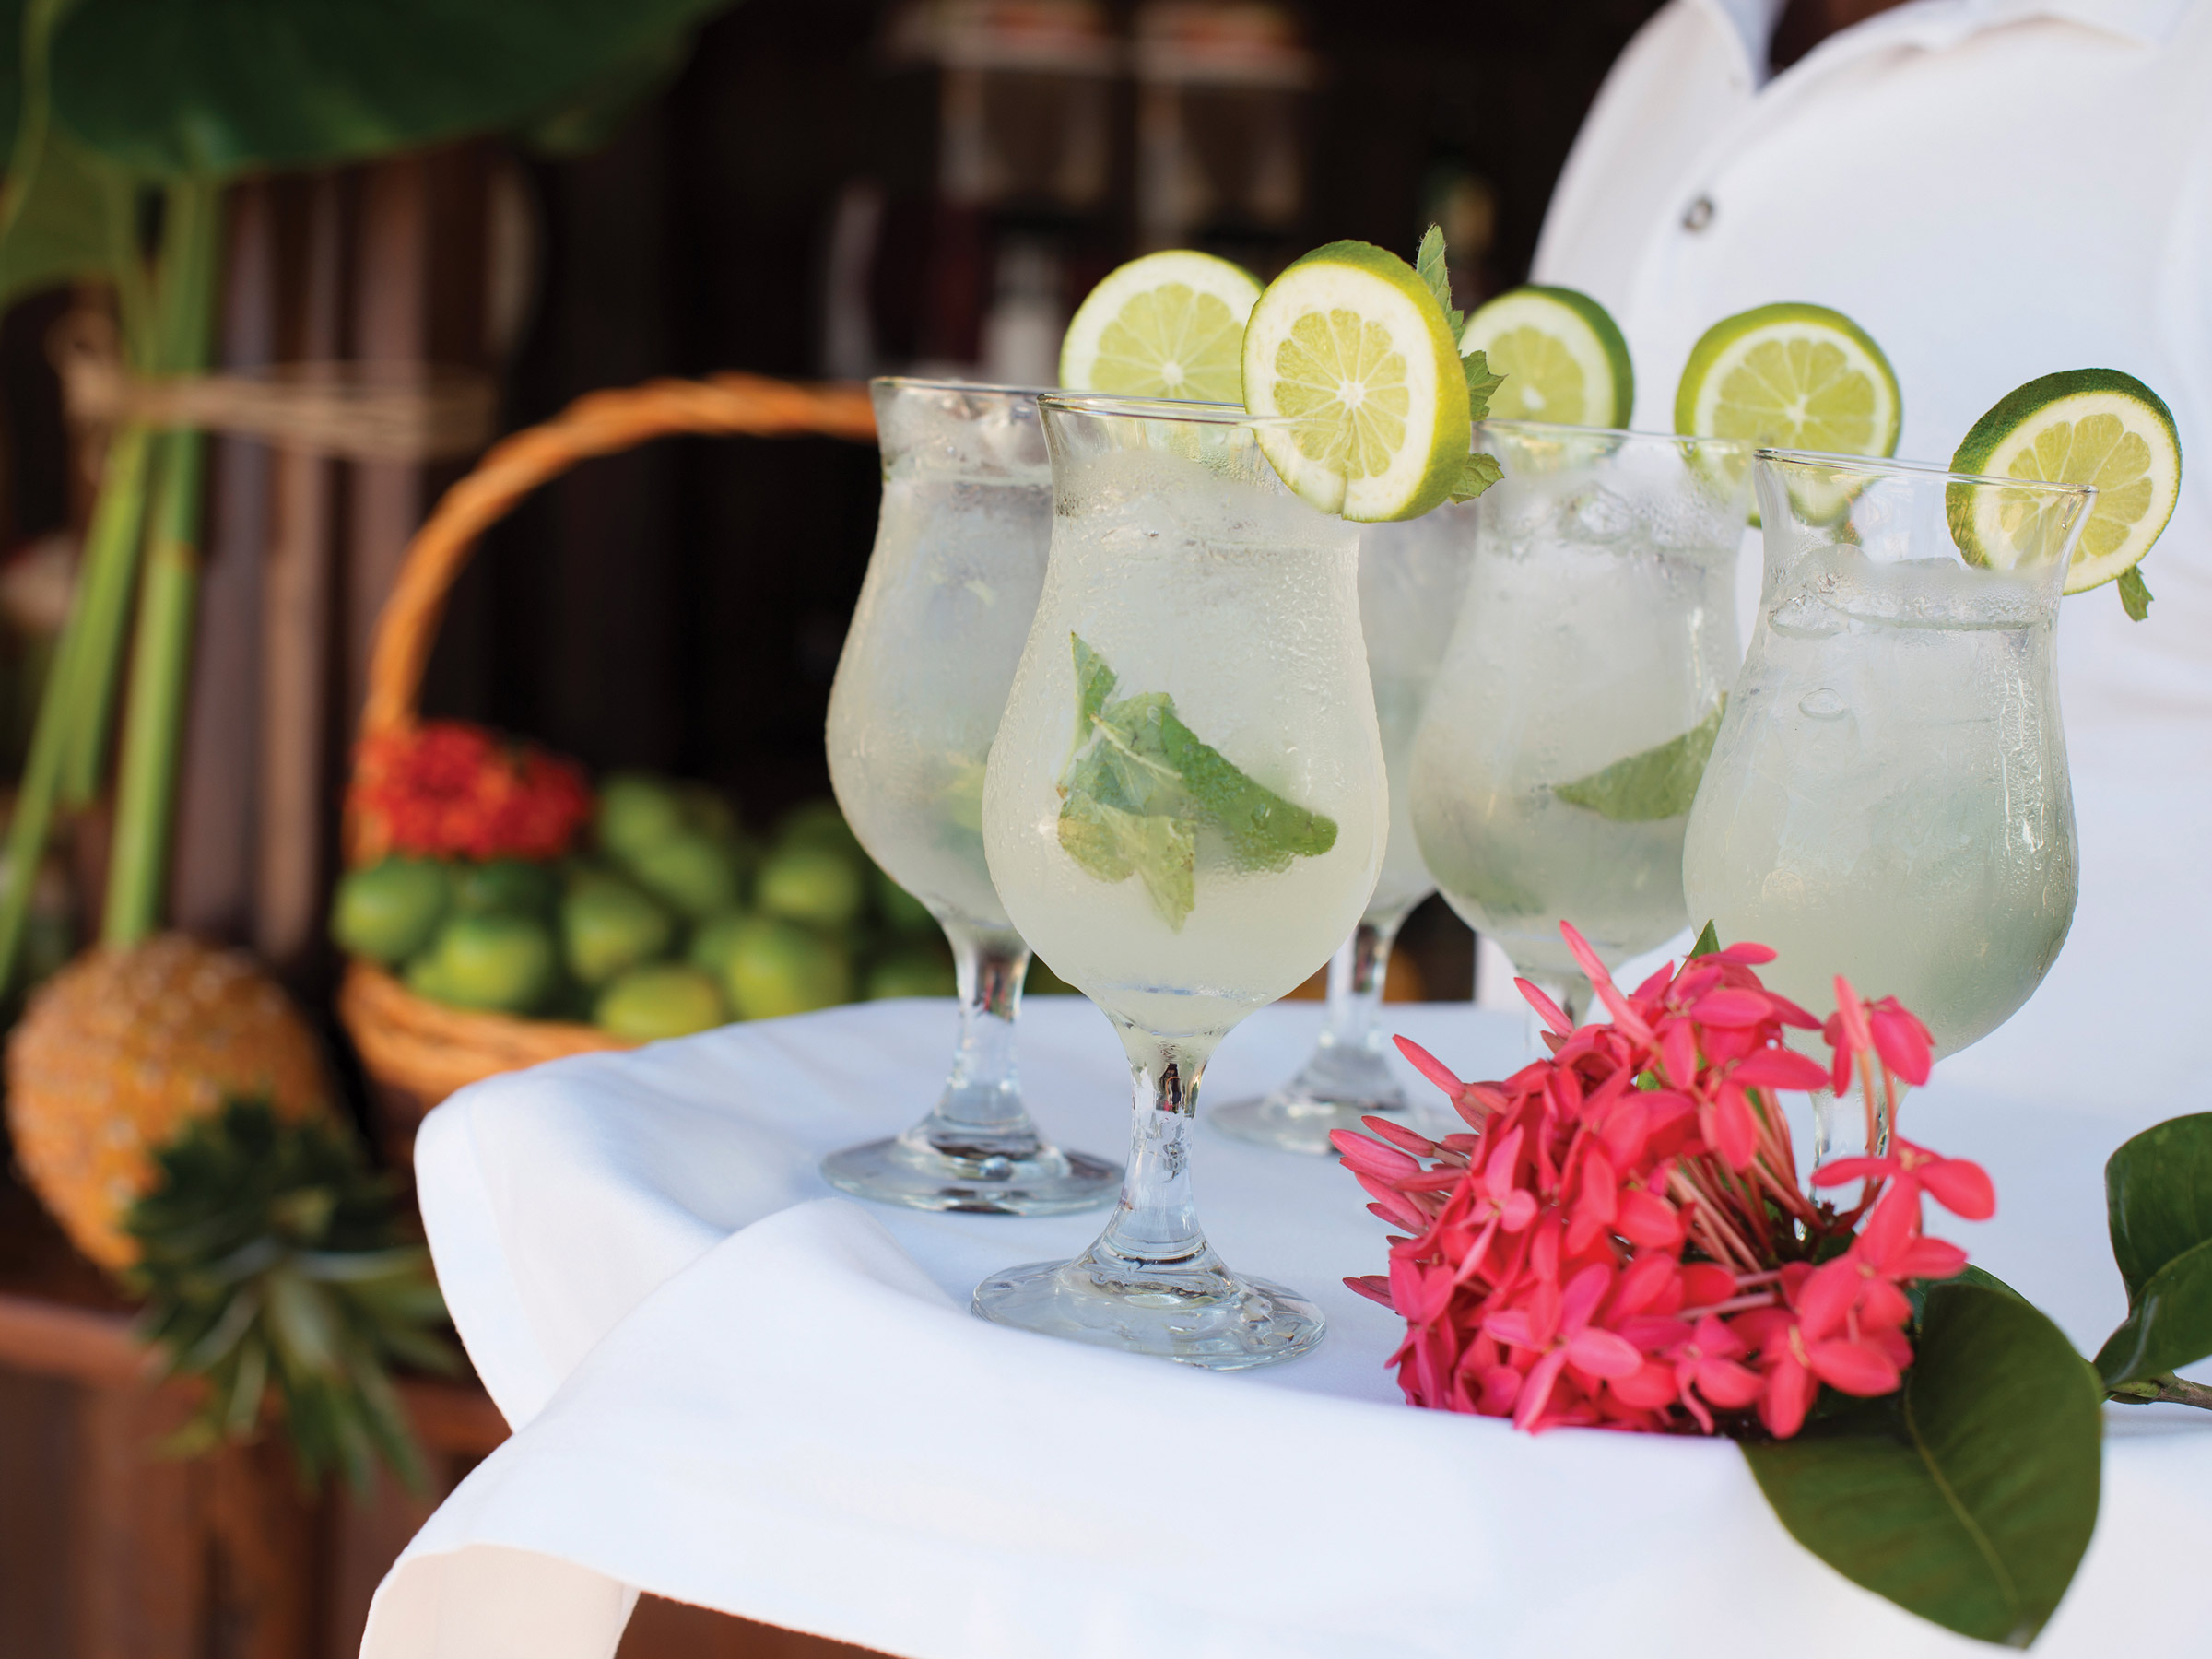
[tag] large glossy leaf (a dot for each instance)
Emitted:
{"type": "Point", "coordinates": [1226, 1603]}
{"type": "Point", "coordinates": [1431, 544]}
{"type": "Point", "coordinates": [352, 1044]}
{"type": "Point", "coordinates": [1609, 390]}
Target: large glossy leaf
{"type": "Point", "coordinates": [65, 227]}
{"type": "Point", "coordinates": [2158, 1197]}
{"type": "Point", "coordinates": [2169, 1323]}
{"type": "Point", "coordinates": [220, 86]}
{"type": "Point", "coordinates": [1969, 1497]}
{"type": "Point", "coordinates": [2157, 1190]}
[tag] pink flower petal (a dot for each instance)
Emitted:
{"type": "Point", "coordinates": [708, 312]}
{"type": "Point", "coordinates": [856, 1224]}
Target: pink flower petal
{"type": "Point", "coordinates": [1780, 1068]}
{"type": "Point", "coordinates": [1727, 1385]}
{"type": "Point", "coordinates": [1856, 1368]}
{"type": "Point", "coordinates": [1603, 1354]}
{"type": "Point", "coordinates": [1852, 1015]}
{"type": "Point", "coordinates": [1901, 1041]}
{"type": "Point", "coordinates": [1728, 1006]}
{"type": "Point", "coordinates": [1428, 1066]}
{"type": "Point", "coordinates": [1372, 1285]}
{"type": "Point", "coordinates": [1961, 1187]}
{"type": "Point", "coordinates": [1547, 1010]}
{"type": "Point", "coordinates": [1826, 1297]}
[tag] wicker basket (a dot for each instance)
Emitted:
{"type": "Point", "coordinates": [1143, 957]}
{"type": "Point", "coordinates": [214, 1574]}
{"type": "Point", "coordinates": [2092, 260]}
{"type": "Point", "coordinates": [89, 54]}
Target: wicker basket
{"type": "Point", "coordinates": [416, 1051]}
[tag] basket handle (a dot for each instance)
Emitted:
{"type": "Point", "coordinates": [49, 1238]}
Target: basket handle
{"type": "Point", "coordinates": [599, 423]}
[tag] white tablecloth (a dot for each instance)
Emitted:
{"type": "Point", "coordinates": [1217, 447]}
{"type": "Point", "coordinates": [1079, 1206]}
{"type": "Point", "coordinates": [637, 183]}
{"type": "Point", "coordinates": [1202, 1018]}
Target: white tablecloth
{"type": "Point", "coordinates": [732, 1388]}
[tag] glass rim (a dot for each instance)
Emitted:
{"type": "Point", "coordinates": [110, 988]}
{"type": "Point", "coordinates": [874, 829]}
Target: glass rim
{"type": "Point", "coordinates": [1189, 412]}
{"type": "Point", "coordinates": [919, 383]}
{"type": "Point", "coordinates": [1882, 466]}
{"type": "Point", "coordinates": [1566, 429]}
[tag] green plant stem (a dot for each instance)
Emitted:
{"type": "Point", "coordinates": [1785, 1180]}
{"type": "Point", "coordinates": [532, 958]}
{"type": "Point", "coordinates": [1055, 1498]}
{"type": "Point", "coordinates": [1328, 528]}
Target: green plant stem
{"type": "Point", "coordinates": [161, 652]}
{"type": "Point", "coordinates": [106, 577]}
{"type": "Point", "coordinates": [2173, 1390]}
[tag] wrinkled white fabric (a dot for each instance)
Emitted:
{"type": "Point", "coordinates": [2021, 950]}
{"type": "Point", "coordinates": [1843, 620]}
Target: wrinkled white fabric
{"type": "Point", "coordinates": [734, 1390]}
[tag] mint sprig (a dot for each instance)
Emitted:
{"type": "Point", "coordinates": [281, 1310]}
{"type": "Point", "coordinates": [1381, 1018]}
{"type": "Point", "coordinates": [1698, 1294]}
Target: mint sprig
{"type": "Point", "coordinates": [1479, 471]}
{"type": "Point", "coordinates": [1657, 784]}
{"type": "Point", "coordinates": [1139, 785]}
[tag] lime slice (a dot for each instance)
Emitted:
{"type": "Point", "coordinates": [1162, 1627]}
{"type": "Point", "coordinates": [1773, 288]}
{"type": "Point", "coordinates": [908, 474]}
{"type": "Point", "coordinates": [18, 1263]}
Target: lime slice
{"type": "Point", "coordinates": [1170, 324]}
{"type": "Point", "coordinates": [1562, 357]}
{"type": "Point", "coordinates": [1793, 376]}
{"type": "Point", "coordinates": [2081, 426]}
{"type": "Point", "coordinates": [1351, 344]}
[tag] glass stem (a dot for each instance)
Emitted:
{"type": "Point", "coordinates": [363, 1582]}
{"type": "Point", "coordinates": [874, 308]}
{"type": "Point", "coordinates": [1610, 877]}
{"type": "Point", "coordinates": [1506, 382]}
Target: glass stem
{"type": "Point", "coordinates": [980, 1113]}
{"type": "Point", "coordinates": [1154, 1225]}
{"type": "Point", "coordinates": [1355, 976]}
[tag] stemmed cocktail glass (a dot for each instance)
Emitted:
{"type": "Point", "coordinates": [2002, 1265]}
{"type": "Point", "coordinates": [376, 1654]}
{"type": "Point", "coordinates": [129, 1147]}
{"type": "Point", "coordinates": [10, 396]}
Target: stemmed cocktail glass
{"type": "Point", "coordinates": [1887, 798]}
{"type": "Point", "coordinates": [1411, 576]}
{"type": "Point", "coordinates": [951, 586]}
{"type": "Point", "coordinates": [1185, 811]}
{"type": "Point", "coordinates": [1580, 694]}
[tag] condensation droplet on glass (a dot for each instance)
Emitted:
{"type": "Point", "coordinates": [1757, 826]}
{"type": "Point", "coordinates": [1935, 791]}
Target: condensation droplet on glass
{"type": "Point", "coordinates": [1823, 704]}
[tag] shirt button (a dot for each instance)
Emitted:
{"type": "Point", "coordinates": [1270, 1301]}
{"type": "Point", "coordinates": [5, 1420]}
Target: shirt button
{"type": "Point", "coordinates": [1698, 215]}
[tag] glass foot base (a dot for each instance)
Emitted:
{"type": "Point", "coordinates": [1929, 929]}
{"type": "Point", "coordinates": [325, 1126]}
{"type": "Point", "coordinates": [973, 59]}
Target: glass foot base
{"type": "Point", "coordinates": [1295, 1124]}
{"type": "Point", "coordinates": [907, 1170]}
{"type": "Point", "coordinates": [1213, 1319]}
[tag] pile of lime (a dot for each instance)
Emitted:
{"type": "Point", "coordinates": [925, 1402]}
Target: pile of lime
{"type": "Point", "coordinates": [676, 920]}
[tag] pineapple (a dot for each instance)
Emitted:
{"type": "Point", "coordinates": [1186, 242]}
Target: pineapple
{"type": "Point", "coordinates": [125, 1048]}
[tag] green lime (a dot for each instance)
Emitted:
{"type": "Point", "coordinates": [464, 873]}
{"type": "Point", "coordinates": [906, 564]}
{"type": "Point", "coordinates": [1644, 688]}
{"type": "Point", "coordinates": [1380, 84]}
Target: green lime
{"type": "Point", "coordinates": [901, 911]}
{"type": "Point", "coordinates": [1791, 376]}
{"type": "Point", "coordinates": [608, 925]}
{"type": "Point", "coordinates": [2081, 426]}
{"type": "Point", "coordinates": [637, 812]}
{"type": "Point", "coordinates": [1563, 359]}
{"type": "Point", "coordinates": [910, 970]}
{"type": "Point", "coordinates": [708, 812]}
{"type": "Point", "coordinates": [689, 872]}
{"type": "Point", "coordinates": [777, 967]}
{"type": "Point", "coordinates": [510, 887]}
{"type": "Point", "coordinates": [818, 823]}
{"type": "Point", "coordinates": [390, 910]}
{"type": "Point", "coordinates": [502, 962]}
{"type": "Point", "coordinates": [1350, 342]}
{"type": "Point", "coordinates": [666, 999]}
{"type": "Point", "coordinates": [713, 940]}
{"type": "Point", "coordinates": [1168, 325]}
{"type": "Point", "coordinates": [818, 885]}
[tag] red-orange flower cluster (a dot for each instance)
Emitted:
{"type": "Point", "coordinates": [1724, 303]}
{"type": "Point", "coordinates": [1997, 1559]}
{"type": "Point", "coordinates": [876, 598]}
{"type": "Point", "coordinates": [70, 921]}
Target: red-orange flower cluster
{"type": "Point", "coordinates": [447, 789]}
{"type": "Point", "coordinates": [1622, 1240]}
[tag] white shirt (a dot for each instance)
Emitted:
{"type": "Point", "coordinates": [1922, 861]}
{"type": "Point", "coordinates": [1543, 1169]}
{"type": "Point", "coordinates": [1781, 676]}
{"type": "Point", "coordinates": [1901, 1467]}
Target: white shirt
{"type": "Point", "coordinates": [1994, 189]}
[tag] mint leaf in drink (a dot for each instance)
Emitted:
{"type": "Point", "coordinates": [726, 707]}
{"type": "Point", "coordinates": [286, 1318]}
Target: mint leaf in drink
{"type": "Point", "coordinates": [1112, 844]}
{"type": "Point", "coordinates": [2135, 593]}
{"type": "Point", "coordinates": [1476, 473]}
{"type": "Point", "coordinates": [1141, 784]}
{"type": "Point", "coordinates": [1481, 382]}
{"type": "Point", "coordinates": [1430, 266]}
{"type": "Point", "coordinates": [1658, 783]}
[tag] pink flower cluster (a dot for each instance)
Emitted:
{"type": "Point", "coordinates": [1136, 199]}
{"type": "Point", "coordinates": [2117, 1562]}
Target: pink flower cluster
{"type": "Point", "coordinates": [1622, 1241]}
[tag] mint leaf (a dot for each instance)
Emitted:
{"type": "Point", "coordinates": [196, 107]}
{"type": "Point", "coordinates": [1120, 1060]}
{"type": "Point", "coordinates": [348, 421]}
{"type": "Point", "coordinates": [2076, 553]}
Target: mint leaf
{"type": "Point", "coordinates": [2135, 593]}
{"type": "Point", "coordinates": [1709, 942]}
{"type": "Point", "coordinates": [2158, 1194]}
{"type": "Point", "coordinates": [1481, 382]}
{"type": "Point", "coordinates": [1140, 785]}
{"type": "Point", "coordinates": [1658, 783]}
{"type": "Point", "coordinates": [1429, 265]}
{"type": "Point", "coordinates": [1476, 473]}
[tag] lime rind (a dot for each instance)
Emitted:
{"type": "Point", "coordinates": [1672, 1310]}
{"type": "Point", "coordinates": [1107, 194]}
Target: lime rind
{"type": "Point", "coordinates": [2080, 426]}
{"type": "Point", "coordinates": [1819, 375]}
{"type": "Point", "coordinates": [1563, 358]}
{"type": "Point", "coordinates": [1168, 324]}
{"type": "Point", "coordinates": [1349, 343]}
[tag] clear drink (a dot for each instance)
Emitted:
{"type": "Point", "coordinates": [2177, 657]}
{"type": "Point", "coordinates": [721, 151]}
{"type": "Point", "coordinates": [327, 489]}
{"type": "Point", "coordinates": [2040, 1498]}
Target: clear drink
{"type": "Point", "coordinates": [1184, 811]}
{"type": "Point", "coordinates": [1888, 796]}
{"type": "Point", "coordinates": [1412, 575]}
{"type": "Point", "coordinates": [1580, 694]}
{"type": "Point", "coordinates": [951, 587]}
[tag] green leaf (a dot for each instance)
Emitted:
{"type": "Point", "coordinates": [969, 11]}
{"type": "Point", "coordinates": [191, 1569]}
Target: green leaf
{"type": "Point", "coordinates": [590, 120]}
{"type": "Point", "coordinates": [1430, 266]}
{"type": "Point", "coordinates": [1112, 844]}
{"type": "Point", "coordinates": [2135, 593]}
{"type": "Point", "coordinates": [1141, 784]}
{"type": "Point", "coordinates": [214, 87]}
{"type": "Point", "coordinates": [1709, 942]}
{"type": "Point", "coordinates": [1970, 1498]}
{"type": "Point", "coordinates": [2158, 1197]}
{"type": "Point", "coordinates": [1658, 783]}
{"type": "Point", "coordinates": [59, 232]}
{"type": "Point", "coordinates": [1476, 473]}
{"type": "Point", "coordinates": [1481, 382]}
{"type": "Point", "coordinates": [2169, 1322]}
